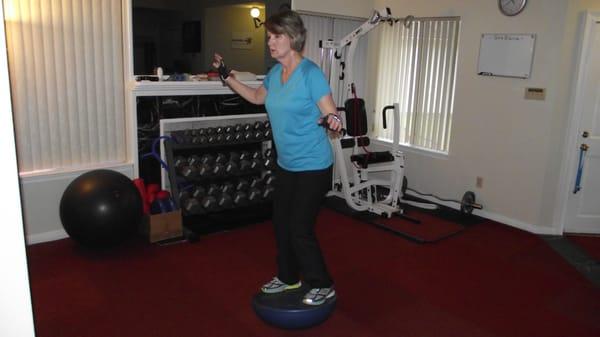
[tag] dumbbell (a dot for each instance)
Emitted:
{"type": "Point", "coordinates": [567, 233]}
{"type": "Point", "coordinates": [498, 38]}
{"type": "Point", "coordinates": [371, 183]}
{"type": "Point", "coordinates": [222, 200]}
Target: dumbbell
{"type": "Point", "coordinates": [183, 195]}
{"type": "Point", "coordinates": [212, 139]}
{"type": "Point", "coordinates": [198, 140]}
{"type": "Point", "coordinates": [228, 129]}
{"type": "Point", "coordinates": [200, 132]}
{"type": "Point", "coordinates": [247, 136]}
{"type": "Point", "coordinates": [238, 137]}
{"type": "Point", "coordinates": [191, 205]}
{"type": "Point", "coordinates": [254, 195]}
{"type": "Point", "coordinates": [194, 160]}
{"type": "Point", "coordinates": [221, 158]}
{"type": "Point", "coordinates": [204, 170]}
{"type": "Point", "coordinates": [269, 153]}
{"type": "Point", "coordinates": [231, 168]}
{"type": "Point", "coordinates": [224, 200]}
{"type": "Point", "coordinates": [213, 190]}
{"type": "Point", "coordinates": [256, 154]}
{"type": "Point", "coordinates": [245, 155]}
{"type": "Point", "coordinates": [228, 138]}
{"type": "Point", "coordinates": [240, 198]}
{"type": "Point", "coordinates": [266, 125]}
{"type": "Point", "coordinates": [256, 164]}
{"type": "Point", "coordinates": [238, 128]}
{"type": "Point", "coordinates": [210, 131]}
{"type": "Point", "coordinates": [269, 180]}
{"type": "Point", "coordinates": [227, 187]}
{"type": "Point", "coordinates": [258, 125]}
{"type": "Point", "coordinates": [179, 162]}
{"type": "Point", "coordinates": [207, 159]}
{"type": "Point", "coordinates": [241, 185]}
{"type": "Point", "coordinates": [258, 135]}
{"type": "Point", "coordinates": [188, 171]}
{"type": "Point", "coordinates": [269, 163]}
{"type": "Point", "coordinates": [198, 192]}
{"type": "Point", "coordinates": [247, 127]}
{"type": "Point", "coordinates": [218, 170]}
{"type": "Point", "coordinates": [267, 192]}
{"type": "Point", "coordinates": [256, 183]}
{"type": "Point", "coordinates": [220, 138]}
{"type": "Point", "coordinates": [219, 130]}
{"type": "Point", "coordinates": [209, 203]}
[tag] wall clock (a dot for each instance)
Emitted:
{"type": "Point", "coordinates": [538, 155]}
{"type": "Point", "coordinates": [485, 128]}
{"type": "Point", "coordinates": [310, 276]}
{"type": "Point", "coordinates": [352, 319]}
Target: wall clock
{"type": "Point", "coordinates": [511, 7]}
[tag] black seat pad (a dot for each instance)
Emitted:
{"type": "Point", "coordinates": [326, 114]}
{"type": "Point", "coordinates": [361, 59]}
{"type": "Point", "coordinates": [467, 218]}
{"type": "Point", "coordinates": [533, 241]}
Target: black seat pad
{"type": "Point", "coordinates": [364, 159]}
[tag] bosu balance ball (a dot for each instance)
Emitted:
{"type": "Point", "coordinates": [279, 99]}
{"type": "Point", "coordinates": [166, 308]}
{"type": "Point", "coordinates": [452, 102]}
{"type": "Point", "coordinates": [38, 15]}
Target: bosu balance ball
{"type": "Point", "coordinates": [285, 310]}
{"type": "Point", "coordinates": [101, 208]}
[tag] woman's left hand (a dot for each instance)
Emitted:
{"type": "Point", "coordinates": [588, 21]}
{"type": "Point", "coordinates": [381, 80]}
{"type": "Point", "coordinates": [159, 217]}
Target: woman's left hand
{"type": "Point", "coordinates": [332, 122]}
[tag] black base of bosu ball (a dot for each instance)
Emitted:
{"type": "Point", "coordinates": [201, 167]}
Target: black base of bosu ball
{"type": "Point", "coordinates": [285, 310]}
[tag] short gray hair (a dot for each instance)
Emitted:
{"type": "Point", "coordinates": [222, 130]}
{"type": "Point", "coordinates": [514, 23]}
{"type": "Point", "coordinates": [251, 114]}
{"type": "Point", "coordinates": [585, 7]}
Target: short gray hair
{"type": "Point", "coordinates": [288, 23]}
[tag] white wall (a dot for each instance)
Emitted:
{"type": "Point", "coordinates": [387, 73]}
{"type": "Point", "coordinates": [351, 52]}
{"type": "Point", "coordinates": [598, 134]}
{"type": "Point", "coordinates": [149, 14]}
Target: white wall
{"type": "Point", "coordinates": [361, 9]}
{"type": "Point", "coordinates": [16, 314]}
{"type": "Point", "coordinates": [516, 145]}
{"type": "Point", "coordinates": [41, 199]}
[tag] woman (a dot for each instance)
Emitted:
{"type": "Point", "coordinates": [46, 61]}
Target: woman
{"type": "Point", "coordinates": [298, 100]}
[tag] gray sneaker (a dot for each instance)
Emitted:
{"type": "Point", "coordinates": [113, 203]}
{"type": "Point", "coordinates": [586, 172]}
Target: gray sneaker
{"type": "Point", "coordinates": [318, 296]}
{"type": "Point", "coordinates": [276, 286]}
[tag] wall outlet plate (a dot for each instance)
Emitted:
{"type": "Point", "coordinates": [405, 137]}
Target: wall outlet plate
{"type": "Point", "coordinates": [538, 94]}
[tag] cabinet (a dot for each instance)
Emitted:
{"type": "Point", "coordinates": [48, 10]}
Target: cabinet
{"type": "Point", "coordinates": [219, 170]}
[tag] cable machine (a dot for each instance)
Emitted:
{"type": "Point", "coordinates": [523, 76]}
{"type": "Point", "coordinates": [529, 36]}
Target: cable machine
{"type": "Point", "coordinates": [351, 178]}
{"type": "Point", "coordinates": [377, 195]}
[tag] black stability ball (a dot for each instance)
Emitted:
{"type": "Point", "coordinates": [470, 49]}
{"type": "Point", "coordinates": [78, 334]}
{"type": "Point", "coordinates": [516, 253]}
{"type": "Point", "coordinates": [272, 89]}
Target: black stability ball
{"type": "Point", "coordinates": [101, 208]}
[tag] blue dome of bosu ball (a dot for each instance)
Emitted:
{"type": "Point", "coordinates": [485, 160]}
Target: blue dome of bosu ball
{"type": "Point", "coordinates": [285, 310]}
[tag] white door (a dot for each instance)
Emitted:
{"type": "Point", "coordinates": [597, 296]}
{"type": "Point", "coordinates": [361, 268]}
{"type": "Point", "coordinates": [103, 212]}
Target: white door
{"type": "Point", "coordinates": [583, 204]}
{"type": "Point", "coordinates": [16, 318]}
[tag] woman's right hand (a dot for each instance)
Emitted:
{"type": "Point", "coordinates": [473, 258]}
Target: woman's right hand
{"type": "Point", "coordinates": [220, 66]}
{"type": "Point", "coordinates": [217, 59]}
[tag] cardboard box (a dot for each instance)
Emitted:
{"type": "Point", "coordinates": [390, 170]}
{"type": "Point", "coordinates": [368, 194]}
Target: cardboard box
{"type": "Point", "coordinates": [163, 226]}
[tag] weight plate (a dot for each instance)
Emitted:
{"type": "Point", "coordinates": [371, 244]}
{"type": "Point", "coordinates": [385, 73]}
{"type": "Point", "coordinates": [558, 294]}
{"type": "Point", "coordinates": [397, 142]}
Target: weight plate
{"type": "Point", "coordinates": [468, 199]}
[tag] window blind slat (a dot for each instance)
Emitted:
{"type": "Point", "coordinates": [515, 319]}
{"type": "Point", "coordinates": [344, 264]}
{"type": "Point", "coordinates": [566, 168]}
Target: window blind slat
{"type": "Point", "coordinates": [65, 60]}
{"type": "Point", "coordinates": [418, 73]}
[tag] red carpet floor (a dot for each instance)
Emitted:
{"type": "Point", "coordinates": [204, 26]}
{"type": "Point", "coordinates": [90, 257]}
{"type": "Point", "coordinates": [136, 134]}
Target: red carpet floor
{"type": "Point", "coordinates": [491, 280]}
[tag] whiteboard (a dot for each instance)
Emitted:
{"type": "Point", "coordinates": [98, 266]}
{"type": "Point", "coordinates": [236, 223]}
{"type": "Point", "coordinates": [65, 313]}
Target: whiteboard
{"type": "Point", "coordinates": [508, 55]}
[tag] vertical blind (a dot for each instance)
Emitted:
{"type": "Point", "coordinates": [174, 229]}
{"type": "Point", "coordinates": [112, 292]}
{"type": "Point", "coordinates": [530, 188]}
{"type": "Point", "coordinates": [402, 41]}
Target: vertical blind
{"type": "Point", "coordinates": [416, 68]}
{"type": "Point", "coordinates": [66, 71]}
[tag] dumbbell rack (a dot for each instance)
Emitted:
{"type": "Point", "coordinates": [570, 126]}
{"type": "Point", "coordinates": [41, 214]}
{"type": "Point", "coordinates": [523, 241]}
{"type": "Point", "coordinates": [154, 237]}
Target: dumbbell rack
{"type": "Point", "coordinates": [217, 171]}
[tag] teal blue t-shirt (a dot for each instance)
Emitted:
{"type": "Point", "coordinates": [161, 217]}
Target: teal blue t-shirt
{"type": "Point", "coordinates": [302, 145]}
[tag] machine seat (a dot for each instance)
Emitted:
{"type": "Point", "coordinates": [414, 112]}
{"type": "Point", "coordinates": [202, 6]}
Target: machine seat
{"type": "Point", "coordinates": [364, 159]}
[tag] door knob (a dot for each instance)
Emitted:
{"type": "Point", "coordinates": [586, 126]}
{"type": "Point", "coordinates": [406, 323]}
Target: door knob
{"type": "Point", "coordinates": [585, 134]}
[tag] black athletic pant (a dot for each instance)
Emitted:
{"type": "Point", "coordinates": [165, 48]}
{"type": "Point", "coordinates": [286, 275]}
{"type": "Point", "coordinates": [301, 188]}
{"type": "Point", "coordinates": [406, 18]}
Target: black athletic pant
{"type": "Point", "coordinates": [297, 199]}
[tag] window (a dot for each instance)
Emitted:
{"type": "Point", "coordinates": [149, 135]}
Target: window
{"type": "Point", "coordinates": [66, 71]}
{"type": "Point", "coordinates": [417, 69]}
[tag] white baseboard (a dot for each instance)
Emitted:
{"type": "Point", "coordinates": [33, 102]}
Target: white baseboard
{"type": "Point", "coordinates": [41, 195]}
{"type": "Point", "coordinates": [45, 237]}
{"type": "Point", "coordinates": [496, 217]}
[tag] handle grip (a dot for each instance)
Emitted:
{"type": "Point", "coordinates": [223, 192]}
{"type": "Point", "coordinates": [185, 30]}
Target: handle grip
{"type": "Point", "coordinates": [384, 115]}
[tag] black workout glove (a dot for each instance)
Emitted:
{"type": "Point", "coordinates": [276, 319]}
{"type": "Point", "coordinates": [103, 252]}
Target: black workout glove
{"type": "Point", "coordinates": [223, 71]}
